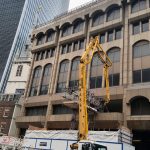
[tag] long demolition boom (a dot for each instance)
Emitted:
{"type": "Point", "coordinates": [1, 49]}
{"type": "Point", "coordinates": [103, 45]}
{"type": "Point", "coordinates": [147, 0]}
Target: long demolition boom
{"type": "Point", "coordinates": [86, 58]}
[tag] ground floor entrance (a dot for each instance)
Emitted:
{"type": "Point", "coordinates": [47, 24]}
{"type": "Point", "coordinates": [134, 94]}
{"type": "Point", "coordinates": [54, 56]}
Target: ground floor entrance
{"type": "Point", "coordinates": [141, 139]}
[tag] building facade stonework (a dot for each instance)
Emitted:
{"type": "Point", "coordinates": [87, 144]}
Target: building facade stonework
{"type": "Point", "coordinates": [123, 28]}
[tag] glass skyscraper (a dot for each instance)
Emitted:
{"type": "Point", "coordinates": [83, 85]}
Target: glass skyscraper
{"type": "Point", "coordinates": [10, 12]}
{"type": "Point", "coordinates": [13, 36]}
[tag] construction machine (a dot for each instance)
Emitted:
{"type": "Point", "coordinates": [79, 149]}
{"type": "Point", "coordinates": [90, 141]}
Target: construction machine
{"type": "Point", "coordinates": [93, 47]}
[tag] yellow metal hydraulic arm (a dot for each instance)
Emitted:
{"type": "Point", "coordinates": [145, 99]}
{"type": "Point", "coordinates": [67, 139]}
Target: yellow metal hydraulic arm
{"type": "Point", "coordinates": [86, 58]}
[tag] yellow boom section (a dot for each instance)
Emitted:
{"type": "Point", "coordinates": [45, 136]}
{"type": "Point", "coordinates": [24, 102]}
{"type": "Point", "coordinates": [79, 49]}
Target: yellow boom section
{"type": "Point", "coordinates": [86, 58]}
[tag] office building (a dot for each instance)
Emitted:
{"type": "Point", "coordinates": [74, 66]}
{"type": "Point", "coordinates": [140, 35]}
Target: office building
{"type": "Point", "coordinates": [18, 18]}
{"type": "Point", "coordinates": [123, 28]}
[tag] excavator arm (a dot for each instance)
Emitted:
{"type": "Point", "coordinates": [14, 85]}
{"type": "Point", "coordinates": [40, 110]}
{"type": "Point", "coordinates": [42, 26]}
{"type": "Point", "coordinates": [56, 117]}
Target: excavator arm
{"type": "Point", "coordinates": [86, 58]}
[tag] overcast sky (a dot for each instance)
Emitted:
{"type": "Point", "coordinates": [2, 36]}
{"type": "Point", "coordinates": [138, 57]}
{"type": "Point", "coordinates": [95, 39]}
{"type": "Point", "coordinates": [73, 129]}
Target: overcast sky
{"type": "Point", "coordinates": [76, 3]}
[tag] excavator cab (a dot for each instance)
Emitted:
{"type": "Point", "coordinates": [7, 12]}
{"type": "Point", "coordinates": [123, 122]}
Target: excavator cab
{"type": "Point", "coordinates": [87, 145]}
{"type": "Point", "coordinates": [93, 146]}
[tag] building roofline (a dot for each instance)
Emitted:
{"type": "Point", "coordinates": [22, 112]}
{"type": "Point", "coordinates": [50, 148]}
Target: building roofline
{"type": "Point", "coordinates": [69, 12]}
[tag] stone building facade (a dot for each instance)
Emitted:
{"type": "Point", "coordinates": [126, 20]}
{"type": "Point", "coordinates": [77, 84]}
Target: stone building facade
{"type": "Point", "coordinates": [123, 28]}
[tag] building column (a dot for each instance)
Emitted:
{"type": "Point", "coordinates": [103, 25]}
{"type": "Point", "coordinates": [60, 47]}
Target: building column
{"type": "Point", "coordinates": [28, 85]}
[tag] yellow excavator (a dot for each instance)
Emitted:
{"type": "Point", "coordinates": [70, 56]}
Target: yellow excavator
{"type": "Point", "coordinates": [93, 46]}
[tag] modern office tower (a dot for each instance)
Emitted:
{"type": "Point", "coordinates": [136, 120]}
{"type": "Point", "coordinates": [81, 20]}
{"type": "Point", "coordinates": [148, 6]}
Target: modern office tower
{"type": "Point", "coordinates": [123, 28]}
{"type": "Point", "coordinates": [10, 13]}
{"type": "Point", "coordinates": [15, 33]}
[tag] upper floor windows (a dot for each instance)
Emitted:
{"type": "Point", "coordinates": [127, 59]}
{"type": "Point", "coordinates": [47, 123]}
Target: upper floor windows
{"type": "Point", "coordinates": [140, 106]}
{"type": "Point", "coordinates": [40, 39]}
{"type": "Point", "coordinates": [97, 19]}
{"type": "Point", "coordinates": [138, 5]}
{"type": "Point", "coordinates": [74, 76]}
{"type": "Point", "coordinates": [45, 54]}
{"type": "Point", "coordinates": [141, 49]}
{"type": "Point", "coordinates": [36, 111]}
{"type": "Point", "coordinates": [113, 13]}
{"type": "Point", "coordinates": [62, 76]}
{"type": "Point", "coordinates": [50, 35]}
{"type": "Point", "coordinates": [74, 46]}
{"type": "Point", "coordinates": [66, 30]}
{"type": "Point", "coordinates": [142, 75]}
{"type": "Point", "coordinates": [114, 54]}
{"type": "Point", "coordinates": [19, 70]}
{"type": "Point", "coordinates": [141, 72]}
{"type": "Point", "coordinates": [45, 79]}
{"type": "Point", "coordinates": [78, 26]}
{"type": "Point", "coordinates": [96, 72]}
{"type": "Point", "coordinates": [113, 34]}
{"type": "Point", "coordinates": [141, 26]}
{"type": "Point", "coordinates": [35, 81]}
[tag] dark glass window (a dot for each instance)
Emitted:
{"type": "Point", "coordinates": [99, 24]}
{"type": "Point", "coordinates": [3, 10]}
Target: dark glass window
{"type": "Point", "coordinates": [38, 56]}
{"type": "Point", "coordinates": [78, 26]}
{"type": "Point", "coordinates": [136, 28]}
{"type": "Point", "coordinates": [40, 39]}
{"type": "Point", "coordinates": [96, 72]}
{"type": "Point", "coordinates": [138, 5]}
{"type": "Point", "coordinates": [19, 70]}
{"type": "Point", "coordinates": [96, 82]}
{"type": "Point", "coordinates": [114, 54]}
{"type": "Point", "coordinates": [141, 49]}
{"type": "Point", "coordinates": [110, 36]}
{"type": "Point", "coordinates": [114, 79]}
{"type": "Point", "coordinates": [48, 53]}
{"type": "Point", "coordinates": [64, 49]}
{"type": "Point", "coordinates": [36, 111]}
{"type": "Point", "coordinates": [115, 106]}
{"type": "Point", "coordinates": [42, 55]}
{"type": "Point", "coordinates": [35, 81]}
{"type": "Point", "coordinates": [140, 106]}
{"type": "Point", "coordinates": [97, 19]}
{"type": "Point", "coordinates": [146, 75]}
{"type": "Point", "coordinates": [45, 79]}
{"type": "Point", "coordinates": [66, 31]}
{"type": "Point", "coordinates": [69, 47]}
{"type": "Point", "coordinates": [62, 76]}
{"type": "Point", "coordinates": [61, 109]}
{"type": "Point", "coordinates": [118, 33]}
{"type": "Point", "coordinates": [74, 76]}
{"type": "Point", "coordinates": [50, 36]}
{"type": "Point", "coordinates": [137, 76]}
{"type": "Point", "coordinates": [81, 44]}
{"type": "Point", "coordinates": [113, 13]}
{"type": "Point", "coordinates": [75, 48]}
{"type": "Point", "coordinates": [52, 52]}
{"type": "Point", "coordinates": [145, 25]}
{"type": "Point", "coordinates": [102, 38]}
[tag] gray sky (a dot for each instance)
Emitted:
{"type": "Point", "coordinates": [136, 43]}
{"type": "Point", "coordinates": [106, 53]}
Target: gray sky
{"type": "Point", "coordinates": [76, 3]}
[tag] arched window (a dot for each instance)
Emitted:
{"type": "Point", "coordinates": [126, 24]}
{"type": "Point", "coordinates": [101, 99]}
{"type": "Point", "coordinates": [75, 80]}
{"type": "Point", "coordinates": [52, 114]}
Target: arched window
{"type": "Point", "coordinates": [45, 79]}
{"type": "Point", "coordinates": [50, 35]}
{"type": "Point", "coordinates": [40, 39]}
{"type": "Point", "coordinates": [74, 76]}
{"type": "Point", "coordinates": [62, 76]}
{"type": "Point", "coordinates": [114, 73]}
{"type": "Point", "coordinates": [113, 13]}
{"type": "Point", "coordinates": [35, 81]}
{"type": "Point", "coordinates": [140, 106]}
{"type": "Point", "coordinates": [96, 72]}
{"type": "Point", "coordinates": [97, 19]}
{"type": "Point", "coordinates": [141, 56]}
{"type": "Point", "coordinates": [114, 54]}
{"type": "Point", "coordinates": [141, 49]}
{"type": "Point", "coordinates": [138, 5]}
{"type": "Point", "coordinates": [66, 30]}
{"type": "Point", "coordinates": [78, 26]}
